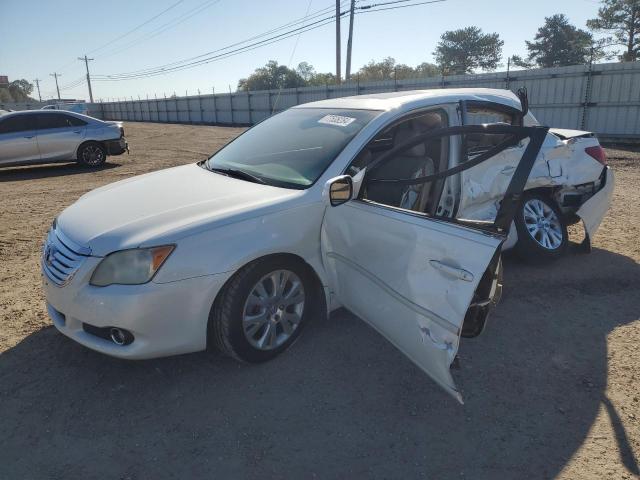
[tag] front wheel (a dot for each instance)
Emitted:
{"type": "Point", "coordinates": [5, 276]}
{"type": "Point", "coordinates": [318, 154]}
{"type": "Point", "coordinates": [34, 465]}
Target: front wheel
{"type": "Point", "coordinates": [262, 309]}
{"type": "Point", "coordinates": [542, 231]}
{"type": "Point", "coordinates": [92, 154]}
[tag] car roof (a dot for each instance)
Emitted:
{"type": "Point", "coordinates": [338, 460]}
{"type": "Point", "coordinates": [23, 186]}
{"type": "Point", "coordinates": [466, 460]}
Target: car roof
{"type": "Point", "coordinates": [410, 99]}
{"type": "Point", "coordinates": [86, 118]}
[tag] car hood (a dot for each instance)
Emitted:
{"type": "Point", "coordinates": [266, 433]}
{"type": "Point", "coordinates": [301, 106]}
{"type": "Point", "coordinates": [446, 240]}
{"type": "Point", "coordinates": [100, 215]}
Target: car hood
{"type": "Point", "coordinates": [164, 206]}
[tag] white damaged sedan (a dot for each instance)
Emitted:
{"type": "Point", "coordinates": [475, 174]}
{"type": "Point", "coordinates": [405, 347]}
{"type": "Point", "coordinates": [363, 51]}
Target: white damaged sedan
{"type": "Point", "coordinates": [395, 206]}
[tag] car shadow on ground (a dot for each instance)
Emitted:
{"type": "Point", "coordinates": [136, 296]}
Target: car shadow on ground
{"type": "Point", "coordinates": [33, 172]}
{"type": "Point", "coordinates": [342, 403]}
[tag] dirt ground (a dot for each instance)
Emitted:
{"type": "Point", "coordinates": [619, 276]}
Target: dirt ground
{"type": "Point", "coordinates": [552, 388]}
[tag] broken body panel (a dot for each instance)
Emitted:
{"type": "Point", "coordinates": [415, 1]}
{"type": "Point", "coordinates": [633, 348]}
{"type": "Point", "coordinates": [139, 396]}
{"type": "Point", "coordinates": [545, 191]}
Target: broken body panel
{"type": "Point", "coordinates": [562, 167]}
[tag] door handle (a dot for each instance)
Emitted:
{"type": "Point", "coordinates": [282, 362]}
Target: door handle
{"type": "Point", "coordinates": [77, 131]}
{"type": "Point", "coordinates": [455, 272]}
{"type": "Point", "coordinates": [29, 136]}
{"type": "Point", "coordinates": [507, 170]}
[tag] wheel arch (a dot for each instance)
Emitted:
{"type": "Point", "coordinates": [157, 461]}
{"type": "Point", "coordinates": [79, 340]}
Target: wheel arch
{"type": "Point", "coordinates": [85, 142]}
{"type": "Point", "coordinates": [322, 293]}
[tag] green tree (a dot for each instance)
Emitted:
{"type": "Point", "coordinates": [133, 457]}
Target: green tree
{"type": "Point", "coordinates": [426, 69]}
{"type": "Point", "coordinates": [17, 91]}
{"type": "Point", "coordinates": [320, 79]}
{"type": "Point", "coordinates": [558, 43]}
{"type": "Point", "coordinates": [270, 77]}
{"type": "Point", "coordinates": [306, 71]}
{"type": "Point", "coordinates": [376, 71]}
{"type": "Point", "coordinates": [388, 69]}
{"type": "Point", "coordinates": [518, 61]}
{"type": "Point", "coordinates": [621, 19]}
{"type": "Point", "coordinates": [467, 49]}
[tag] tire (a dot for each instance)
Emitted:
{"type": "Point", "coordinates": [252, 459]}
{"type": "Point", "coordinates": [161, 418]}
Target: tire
{"type": "Point", "coordinates": [92, 154]}
{"type": "Point", "coordinates": [542, 230]}
{"type": "Point", "coordinates": [231, 328]}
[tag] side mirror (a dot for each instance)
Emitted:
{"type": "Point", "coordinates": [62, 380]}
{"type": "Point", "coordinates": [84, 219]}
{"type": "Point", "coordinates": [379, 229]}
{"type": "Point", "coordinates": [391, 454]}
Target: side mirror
{"type": "Point", "coordinates": [340, 190]}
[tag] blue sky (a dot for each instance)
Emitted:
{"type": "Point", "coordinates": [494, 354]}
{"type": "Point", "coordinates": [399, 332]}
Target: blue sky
{"type": "Point", "coordinates": [40, 37]}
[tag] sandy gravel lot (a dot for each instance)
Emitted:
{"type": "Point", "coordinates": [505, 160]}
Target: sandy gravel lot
{"type": "Point", "coordinates": [552, 388]}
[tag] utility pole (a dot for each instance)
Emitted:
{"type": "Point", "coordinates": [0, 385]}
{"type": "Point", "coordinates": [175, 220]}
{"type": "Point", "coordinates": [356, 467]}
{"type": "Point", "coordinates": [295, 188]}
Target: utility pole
{"type": "Point", "coordinates": [56, 75]}
{"type": "Point", "coordinates": [86, 64]}
{"type": "Point", "coordinates": [37, 80]}
{"type": "Point", "coordinates": [350, 40]}
{"type": "Point", "coordinates": [338, 42]}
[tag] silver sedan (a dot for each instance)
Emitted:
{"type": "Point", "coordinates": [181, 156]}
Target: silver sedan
{"type": "Point", "coordinates": [41, 136]}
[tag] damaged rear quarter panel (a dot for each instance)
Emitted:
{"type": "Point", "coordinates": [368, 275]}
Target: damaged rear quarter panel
{"type": "Point", "coordinates": [561, 163]}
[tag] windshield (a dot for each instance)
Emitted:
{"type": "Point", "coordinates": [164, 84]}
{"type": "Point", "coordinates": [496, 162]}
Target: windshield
{"type": "Point", "coordinates": [293, 148]}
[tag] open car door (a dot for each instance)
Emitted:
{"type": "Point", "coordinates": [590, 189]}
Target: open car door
{"type": "Point", "coordinates": [415, 277]}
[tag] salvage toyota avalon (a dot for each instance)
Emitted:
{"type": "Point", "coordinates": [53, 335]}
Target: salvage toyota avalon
{"type": "Point", "coordinates": [395, 206]}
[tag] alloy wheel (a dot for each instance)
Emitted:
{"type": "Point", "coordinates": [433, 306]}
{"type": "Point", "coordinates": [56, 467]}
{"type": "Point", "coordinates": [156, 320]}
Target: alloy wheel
{"type": "Point", "coordinates": [273, 309]}
{"type": "Point", "coordinates": [543, 224]}
{"type": "Point", "coordinates": [92, 155]}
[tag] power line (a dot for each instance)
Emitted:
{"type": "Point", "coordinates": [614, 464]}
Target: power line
{"type": "Point", "coordinates": [122, 36]}
{"type": "Point", "coordinates": [192, 63]}
{"type": "Point", "coordinates": [74, 83]}
{"type": "Point", "coordinates": [293, 52]}
{"type": "Point", "coordinates": [137, 28]}
{"type": "Point", "coordinates": [162, 70]}
{"type": "Point", "coordinates": [313, 15]}
{"type": "Point", "coordinates": [162, 28]}
{"type": "Point", "coordinates": [366, 8]}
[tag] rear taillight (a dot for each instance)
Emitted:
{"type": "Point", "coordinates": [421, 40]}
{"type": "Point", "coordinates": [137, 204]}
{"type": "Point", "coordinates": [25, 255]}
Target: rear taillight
{"type": "Point", "coordinates": [598, 153]}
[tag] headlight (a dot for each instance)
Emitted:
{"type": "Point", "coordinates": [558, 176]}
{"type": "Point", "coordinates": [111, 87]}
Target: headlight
{"type": "Point", "coordinates": [130, 267]}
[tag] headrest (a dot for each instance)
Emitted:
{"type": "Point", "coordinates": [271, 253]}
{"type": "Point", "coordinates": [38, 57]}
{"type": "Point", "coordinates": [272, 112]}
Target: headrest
{"type": "Point", "coordinates": [406, 131]}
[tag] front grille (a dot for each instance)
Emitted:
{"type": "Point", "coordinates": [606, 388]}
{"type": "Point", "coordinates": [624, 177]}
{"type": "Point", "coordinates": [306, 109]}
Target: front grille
{"type": "Point", "coordinates": [62, 257]}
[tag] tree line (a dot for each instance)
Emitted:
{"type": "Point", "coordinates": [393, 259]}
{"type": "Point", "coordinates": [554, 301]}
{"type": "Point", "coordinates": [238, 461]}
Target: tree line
{"type": "Point", "coordinates": [557, 43]}
{"type": "Point", "coordinates": [16, 91]}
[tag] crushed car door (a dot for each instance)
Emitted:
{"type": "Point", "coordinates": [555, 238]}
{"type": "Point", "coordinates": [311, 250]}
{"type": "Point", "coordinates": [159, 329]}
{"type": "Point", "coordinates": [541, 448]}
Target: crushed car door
{"type": "Point", "coordinates": [411, 276]}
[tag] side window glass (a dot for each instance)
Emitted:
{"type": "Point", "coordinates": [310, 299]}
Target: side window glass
{"type": "Point", "coordinates": [20, 123]}
{"type": "Point", "coordinates": [426, 158]}
{"type": "Point", "coordinates": [74, 121]}
{"type": "Point", "coordinates": [477, 143]}
{"type": "Point", "coordinates": [57, 120]}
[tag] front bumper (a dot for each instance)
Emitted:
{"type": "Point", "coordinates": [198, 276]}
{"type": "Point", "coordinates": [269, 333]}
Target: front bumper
{"type": "Point", "coordinates": [117, 147]}
{"type": "Point", "coordinates": [164, 318]}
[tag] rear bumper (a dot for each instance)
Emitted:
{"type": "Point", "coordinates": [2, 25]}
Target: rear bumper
{"type": "Point", "coordinates": [593, 210]}
{"type": "Point", "coordinates": [117, 147]}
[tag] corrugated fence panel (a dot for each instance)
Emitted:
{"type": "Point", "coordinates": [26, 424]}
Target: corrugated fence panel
{"type": "Point", "coordinates": [604, 98]}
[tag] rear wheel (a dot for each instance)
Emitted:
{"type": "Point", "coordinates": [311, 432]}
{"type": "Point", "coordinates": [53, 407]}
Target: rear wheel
{"type": "Point", "coordinates": [92, 154]}
{"type": "Point", "coordinates": [542, 231]}
{"type": "Point", "coordinates": [262, 309]}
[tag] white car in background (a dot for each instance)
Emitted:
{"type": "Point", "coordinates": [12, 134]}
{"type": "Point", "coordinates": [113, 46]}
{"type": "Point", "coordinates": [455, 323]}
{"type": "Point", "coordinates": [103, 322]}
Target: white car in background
{"type": "Point", "coordinates": [395, 206]}
{"type": "Point", "coordinates": [76, 107]}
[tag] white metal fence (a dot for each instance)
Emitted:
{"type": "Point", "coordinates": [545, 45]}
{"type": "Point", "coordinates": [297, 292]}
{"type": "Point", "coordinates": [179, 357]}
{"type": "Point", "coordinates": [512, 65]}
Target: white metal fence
{"type": "Point", "coordinates": [604, 98]}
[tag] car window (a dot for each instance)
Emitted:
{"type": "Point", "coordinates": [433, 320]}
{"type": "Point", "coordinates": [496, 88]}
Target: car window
{"type": "Point", "coordinates": [424, 159]}
{"type": "Point", "coordinates": [293, 148]}
{"type": "Point", "coordinates": [477, 143]}
{"type": "Point", "coordinates": [17, 123]}
{"type": "Point", "coordinates": [58, 120]}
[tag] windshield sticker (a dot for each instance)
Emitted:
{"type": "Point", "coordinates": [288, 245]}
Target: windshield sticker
{"type": "Point", "coordinates": [337, 120]}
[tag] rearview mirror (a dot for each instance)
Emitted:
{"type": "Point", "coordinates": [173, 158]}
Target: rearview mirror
{"type": "Point", "coordinates": [340, 190]}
